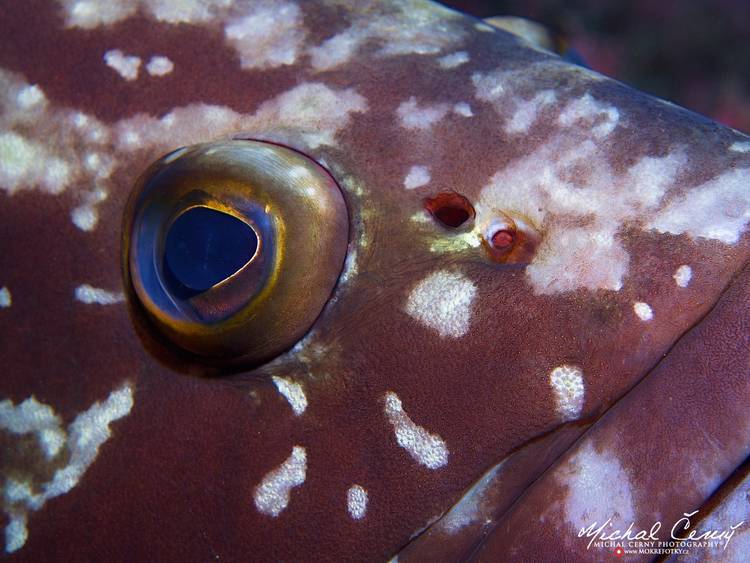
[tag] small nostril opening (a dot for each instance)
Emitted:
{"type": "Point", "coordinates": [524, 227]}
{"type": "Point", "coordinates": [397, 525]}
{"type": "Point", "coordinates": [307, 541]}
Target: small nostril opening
{"type": "Point", "coordinates": [450, 208]}
{"type": "Point", "coordinates": [502, 239]}
{"type": "Point", "coordinates": [204, 247]}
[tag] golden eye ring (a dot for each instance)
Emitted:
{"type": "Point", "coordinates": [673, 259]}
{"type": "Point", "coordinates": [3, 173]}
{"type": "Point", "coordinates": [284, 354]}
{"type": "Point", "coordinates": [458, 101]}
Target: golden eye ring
{"type": "Point", "coordinates": [233, 248]}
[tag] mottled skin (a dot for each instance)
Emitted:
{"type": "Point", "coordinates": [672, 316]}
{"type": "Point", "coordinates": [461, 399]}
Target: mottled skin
{"type": "Point", "coordinates": [175, 481]}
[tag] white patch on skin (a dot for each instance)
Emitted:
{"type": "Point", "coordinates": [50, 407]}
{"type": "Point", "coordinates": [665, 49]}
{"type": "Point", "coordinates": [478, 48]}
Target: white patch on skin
{"type": "Point", "coordinates": [30, 96]}
{"type": "Point", "coordinates": [463, 109]}
{"type": "Point", "coordinates": [90, 14]}
{"type": "Point", "coordinates": [527, 112]}
{"type": "Point", "coordinates": [270, 36]}
{"type": "Point", "coordinates": [683, 275]}
{"type": "Point", "coordinates": [335, 51]}
{"type": "Point", "coordinates": [643, 311]}
{"type": "Point", "coordinates": [418, 176]}
{"type": "Point", "coordinates": [454, 59]}
{"type": "Point", "coordinates": [126, 66]}
{"type": "Point", "coordinates": [272, 495]}
{"type": "Point", "coordinates": [425, 448]}
{"type": "Point", "coordinates": [740, 146]}
{"type": "Point", "coordinates": [412, 116]}
{"type": "Point", "coordinates": [293, 393]}
{"type": "Point", "coordinates": [598, 489]}
{"type": "Point", "coordinates": [442, 301]}
{"type": "Point", "coordinates": [159, 65]}
{"type": "Point", "coordinates": [416, 28]}
{"type": "Point", "coordinates": [356, 502]}
{"type": "Point", "coordinates": [16, 533]}
{"type": "Point", "coordinates": [24, 161]}
{"type": "Point", "coordinates": [85, 216]}
{"type": "Point", "coordinates": [602, 117]}
{"type": "Point", "coordinates": [470, 509]}
{"type": "Point", "coordinates": [52, 149]}
{"type": "Point", "coordinates": [31, 416]}
{"type": "Point", "coordinates": [718, 209]}
{"type": "Point", "coordinates": [570, 177]}
{"type": "Point", "coordinates": [85, 435]}
{"type": "Point", "coordinates": [94, 295]}
{"type": "Point", "coordinates": [568, 386]}
{"type": "Point", "coordinates": [310, 112]}
{"type": "Point", "coordinates": [5, 298]}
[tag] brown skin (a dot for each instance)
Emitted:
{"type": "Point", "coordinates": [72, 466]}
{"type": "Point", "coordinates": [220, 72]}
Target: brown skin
{"type": "Point", "coordinates": [176, 480]}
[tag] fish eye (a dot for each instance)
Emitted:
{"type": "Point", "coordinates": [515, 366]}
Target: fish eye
{"type": "Point", "coordinates": [233, 248]}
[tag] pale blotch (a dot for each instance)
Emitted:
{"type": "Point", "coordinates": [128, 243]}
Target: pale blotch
{"type": "Point", "coordinates": [85, 216]}
{"type": "Point", "coordinates": [127, 66]}
{"type": "Point", "coordinates": [356, 502]}
{"type": "Point", "coordinates": [598, 488]}
{"type": "Point", "coordinates": [310, 112]}
{"type": "Point", "coordinates": [399, 29]}
{"type": "Point", "coordinates": [413, 116]}
{"type": "Point", "coordinates": [159, 65]}
{"type": "Point", "coordinates": [740, 146]}
{"type": "Point", "coordinates": [272, 495]}
{"type": "Point", "coordinates": [335, 51]}
{"type": "Point", "coordinates": [568, 387]}
{"type": "Point", "coordinates": [94, 295]}
{"type": "Point", "coordinates": [84, 436]}
{"type": "Point", "coordinates": [569, 177]}
{"type": "Point", "coordinates": [30, 96]}
{"type": "Point", "coordinates": [418, 176]}
{"type": "Point", "coordinates": [463, 109]}
{"type": "Point", "coordinates": [602, 117]}
{"type": "Point", "coordinates": [454, 60]}
{"type": "Point", "coordinates": [718, 209]}
{"type": "Point", "coordinates": [26, 162]}
{"type": "Point", "coordinates": [442, 301]}
{"type": "Point", "coordinates": [5, 298]}
{"type": "Point", "coordinates": [90, 14]}
{"type": "Point", "coordinates": [683, 275]}
{"type": "Point", "coordinates": [527, 111]}
{"type": "Point", "coordinates": [643, 311]}
{"type": "Point", "coordinates": [425, 448]}
{"type": "Point", "coordinates": [270, 36]}
{"type": "Point", "coordinates": [293, 393]}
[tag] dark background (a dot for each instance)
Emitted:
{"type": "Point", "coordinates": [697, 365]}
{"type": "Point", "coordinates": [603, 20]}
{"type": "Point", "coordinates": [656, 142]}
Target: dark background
{"type": "Point", "coordinates": [695, 53]}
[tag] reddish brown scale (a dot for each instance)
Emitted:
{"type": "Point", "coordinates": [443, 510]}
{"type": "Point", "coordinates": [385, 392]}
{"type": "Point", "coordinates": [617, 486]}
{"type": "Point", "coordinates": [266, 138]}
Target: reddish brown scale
{"type": "Point", "coordinates": [450, 209]}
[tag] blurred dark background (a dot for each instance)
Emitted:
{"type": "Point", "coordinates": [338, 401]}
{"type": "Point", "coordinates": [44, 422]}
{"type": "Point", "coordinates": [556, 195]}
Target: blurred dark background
{"type": "Point", "coordinates": [695, 53]}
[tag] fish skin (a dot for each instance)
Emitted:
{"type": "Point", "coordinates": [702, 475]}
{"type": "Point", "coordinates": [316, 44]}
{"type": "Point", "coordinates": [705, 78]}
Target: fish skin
{"type": "Point", "coordinates": [176, 479]}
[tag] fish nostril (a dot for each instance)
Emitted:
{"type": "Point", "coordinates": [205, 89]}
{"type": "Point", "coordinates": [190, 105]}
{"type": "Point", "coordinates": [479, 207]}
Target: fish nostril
{"type": "Point", "coordinates": [450, 208]}
{"type": "Point", "coordinates": [503, 239]}
{"type": "Point", "coordinates": [204, 247]}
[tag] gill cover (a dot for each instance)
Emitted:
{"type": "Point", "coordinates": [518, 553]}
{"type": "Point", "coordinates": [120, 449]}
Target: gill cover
{"type": "Point", "coordinates": [232, 248]}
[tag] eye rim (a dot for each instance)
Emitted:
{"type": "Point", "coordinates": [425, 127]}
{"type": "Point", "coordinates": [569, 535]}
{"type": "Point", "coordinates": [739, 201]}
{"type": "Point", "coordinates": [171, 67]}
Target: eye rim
{"type": "Point", "coordinates": [279, 207]}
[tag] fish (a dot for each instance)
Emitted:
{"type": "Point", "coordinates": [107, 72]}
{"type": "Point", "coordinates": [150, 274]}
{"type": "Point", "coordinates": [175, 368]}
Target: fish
{"type": "Point", "coordinates": [487, 304]}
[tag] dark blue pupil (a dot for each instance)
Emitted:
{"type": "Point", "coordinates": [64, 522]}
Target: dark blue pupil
{"type": "Point", "coordinates": [204, 247]}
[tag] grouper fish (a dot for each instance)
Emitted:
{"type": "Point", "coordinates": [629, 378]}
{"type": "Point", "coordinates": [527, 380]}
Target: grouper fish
{"type": "Point", "coordinates": [359, 281]}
